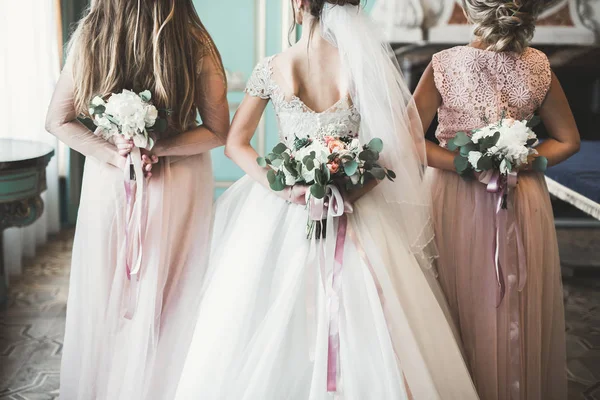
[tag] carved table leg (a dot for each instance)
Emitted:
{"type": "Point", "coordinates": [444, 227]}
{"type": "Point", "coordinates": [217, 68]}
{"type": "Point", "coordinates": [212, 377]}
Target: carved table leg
{"type": "Point", "coordinates": [3, 288]}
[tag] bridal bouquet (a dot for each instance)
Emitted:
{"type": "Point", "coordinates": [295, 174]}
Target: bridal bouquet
{"type": "Point", "coordinates": [332, 159]}
{"type": "Point", "coordinates": [504, 146]}
{"type": "Point", "coordinates": [129, 114]}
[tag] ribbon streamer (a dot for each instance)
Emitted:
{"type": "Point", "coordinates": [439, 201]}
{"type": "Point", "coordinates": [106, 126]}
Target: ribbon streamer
{"type": "Point", "coordinates": [135, 225]}
{"type": "Point", "coordinates": [323, 253]}
{"type": "Point", "coordinates": [509, 252]}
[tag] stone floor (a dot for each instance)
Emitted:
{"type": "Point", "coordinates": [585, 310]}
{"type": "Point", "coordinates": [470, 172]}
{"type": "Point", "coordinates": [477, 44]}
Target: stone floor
{"type": "Point", "coordinates": [32, 321]}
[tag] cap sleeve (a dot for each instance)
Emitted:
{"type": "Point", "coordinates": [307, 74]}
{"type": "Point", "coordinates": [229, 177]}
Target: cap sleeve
{"type": "Point", "coordinates": [260, 83]}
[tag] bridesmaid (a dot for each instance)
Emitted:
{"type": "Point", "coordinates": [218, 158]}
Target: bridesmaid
{"type": "Point", "coordinates": [162, 46]}
{"type": "Point", "coordinates": [515, 350]}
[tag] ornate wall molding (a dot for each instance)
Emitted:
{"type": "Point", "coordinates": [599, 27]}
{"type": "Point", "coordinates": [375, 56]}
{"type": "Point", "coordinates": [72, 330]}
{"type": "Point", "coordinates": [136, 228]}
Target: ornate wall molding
{"type": "Point", "coordinates": [402, 20]}
{"type": "Point", "coordinates": [443, 21]}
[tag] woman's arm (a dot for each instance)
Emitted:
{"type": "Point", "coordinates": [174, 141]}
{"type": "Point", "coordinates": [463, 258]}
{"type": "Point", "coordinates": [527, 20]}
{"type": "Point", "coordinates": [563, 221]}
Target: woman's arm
{"type": "Point", "coordinates": [214, 112]}
{"type": "Point", "coordinates": [428, 100]}
{"type": "Point", "coordinates": [239, 149]}
{"type": "Point", "coordinates": [558, 119]}
{"type": "Point", "coordinates": [61, 121]}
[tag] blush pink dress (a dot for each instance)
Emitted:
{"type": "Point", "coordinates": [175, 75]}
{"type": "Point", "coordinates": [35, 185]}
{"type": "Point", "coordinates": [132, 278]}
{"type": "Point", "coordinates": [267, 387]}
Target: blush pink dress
{"type": "Point", "coordinates": [107, 356]}
{"type": "Point", "coordinates": [519, 356]}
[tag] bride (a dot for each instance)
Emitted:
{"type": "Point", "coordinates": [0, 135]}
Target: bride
{"type": "Point", "coordinates": [272, 325]}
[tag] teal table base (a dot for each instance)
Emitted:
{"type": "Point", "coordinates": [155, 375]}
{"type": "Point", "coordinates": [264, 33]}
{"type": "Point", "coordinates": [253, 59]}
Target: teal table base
{"type": "Point", "coordinates": [22, 180]}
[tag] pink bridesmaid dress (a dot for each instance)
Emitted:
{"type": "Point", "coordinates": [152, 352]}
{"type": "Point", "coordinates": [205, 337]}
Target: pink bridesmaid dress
{"type": "Point", "coordinates": [105, 355]}
{"type": "Point", "coordinates": [515, 350]}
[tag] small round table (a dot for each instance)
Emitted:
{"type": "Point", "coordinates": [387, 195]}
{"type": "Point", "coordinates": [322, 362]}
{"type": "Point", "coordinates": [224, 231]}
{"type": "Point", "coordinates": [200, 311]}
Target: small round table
{"type": "Point", "coordinates": [22, 180]}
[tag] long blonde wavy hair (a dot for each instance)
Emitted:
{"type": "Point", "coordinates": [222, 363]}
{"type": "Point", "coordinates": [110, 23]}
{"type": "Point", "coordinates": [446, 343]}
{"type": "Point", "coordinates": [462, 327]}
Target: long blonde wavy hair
{"type": "Point", "coordinates": [157, 45]}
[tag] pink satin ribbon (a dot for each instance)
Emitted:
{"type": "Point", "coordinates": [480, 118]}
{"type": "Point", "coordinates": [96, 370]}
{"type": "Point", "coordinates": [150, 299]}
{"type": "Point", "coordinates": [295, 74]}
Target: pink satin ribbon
{"type": "Point", "coordinates": [510, 253]}
{"type": "Point", "coordinates": [328, 253]}
{"type": "Point", "coordinates": [135, 226]}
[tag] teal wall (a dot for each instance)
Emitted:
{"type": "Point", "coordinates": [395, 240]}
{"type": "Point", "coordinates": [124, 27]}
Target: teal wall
{"type": "Point", "coordinates": [234, 27]}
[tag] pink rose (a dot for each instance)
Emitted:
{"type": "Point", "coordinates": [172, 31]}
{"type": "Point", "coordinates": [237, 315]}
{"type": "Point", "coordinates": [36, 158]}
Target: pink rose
{"type": "Point", "coordinates": [328, 139]}
{"type": "Point", "coordinates": [333, 167]}
{"type": "Point", "coordinates": [335, 146]}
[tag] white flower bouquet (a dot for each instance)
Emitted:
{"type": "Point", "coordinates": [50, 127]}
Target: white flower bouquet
{"type": "Point", "coordinates": [331, 159]}
{"type": "Point", "coordinates": [504, 146]}
{"type": "Point", "coordinates": [129, 114]}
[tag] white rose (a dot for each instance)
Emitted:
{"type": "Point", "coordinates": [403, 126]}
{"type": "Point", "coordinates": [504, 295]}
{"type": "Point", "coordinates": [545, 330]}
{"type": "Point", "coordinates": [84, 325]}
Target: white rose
{"type": "Point", "coordinates": [474, 157]}
{"type": "Point", "coordinates": [289, 178]}
{"type": "Point", "coordinates": [151, 116]}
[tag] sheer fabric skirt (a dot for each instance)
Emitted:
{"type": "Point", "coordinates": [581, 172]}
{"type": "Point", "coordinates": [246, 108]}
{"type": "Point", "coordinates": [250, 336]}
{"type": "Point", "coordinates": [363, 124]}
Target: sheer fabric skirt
{"type": "Point", "coordinates": [465, 221]}
{"type": "Point", "coordinates": [107, 356]}
{"type": "Point", "coordinates": [256, 339]}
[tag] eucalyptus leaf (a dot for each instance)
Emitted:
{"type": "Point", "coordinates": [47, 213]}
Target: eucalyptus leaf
{"type": "Point", "coordinates": [461, 139]}
{"type": "Point", "coordinates": [271, 176]}
{"type": "Point", "coordinates": [160, 125]}
{"type": "Point", "coordinates": [540, 164]}
{"type": "Point", "coordinates": [318, 191]}
{"type": "Point", "coordinates": [461, 164]}
{"type": "Point", "coordinates": [279, 183]}
{"type": "Point", "coordinates": [451, 145]}
{"type": "Point", "coordinates": [350, 167]}
{"type": "Point", "coordinates": [376, 144]}
{"type": "Point", "coordinates": [368, 155]}
{"type": "Point", "coordinates": [310, 164]}
{"type": "Point", "coordinates": [486, 162]}
{"type": "Point", "coordinates": [466, 149]}
{"type": "Point", "coordinates": [99, 110]}
{"type": "Point", "coordinates": [280, 148]}
{"type": "Point", "coordinates": [531, 142]}
{"type": "Point", "coordinates": [277, 162]}
{"type": "Point", "coordinates": [378, 173]}
{"type": "Point", "coordinates": [534, 121]}
{"type": "Point", "coordinates": [261, 162]}
{"type": "Point", "coordinates": [391, 174]}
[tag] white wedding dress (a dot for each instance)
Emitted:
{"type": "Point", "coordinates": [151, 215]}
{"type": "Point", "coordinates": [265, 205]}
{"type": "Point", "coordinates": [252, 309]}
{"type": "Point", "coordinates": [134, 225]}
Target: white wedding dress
{"type": "Point", "coordinates": [256, 337]}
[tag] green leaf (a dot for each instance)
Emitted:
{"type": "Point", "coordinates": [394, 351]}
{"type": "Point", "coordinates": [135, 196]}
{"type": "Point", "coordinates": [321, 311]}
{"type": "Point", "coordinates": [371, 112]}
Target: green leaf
{"type": "Point", "coordinates": [540, 164]}
{"type": "Point", "coordinates": [310, 164]}
{"type": "Point", "coordinates": [277, 162]}
{"type": "Point", "coordinates": [261, 162]}
{"type": "Point", "coordinates": [368, 155]}
{"type": "Point", "coordinates": [488, 142]}
{"type": "Point", "coordinates": [376, 144]}
{"type": "Point", "coordinates": [160, 125]}
{"type": "Point", "coordinates": [378, 173]}
{"type": "Point", "coordinates": [451, 145]}
{"type": "Point", "coordinates": [461, 164]}
{"type": "Point", "coordinates": [534, 121]}
{"type": "Point", "coordinates": [461, 139]}
{"type": "Point", "coordinates": [271, 176]}
{"type": "Point", "coordinates": [99, 110]}
{"type": "Point", "coordinates": [326, 174]}
{"type": "Point", "coordinates": [485, 163]}
{"type": "Point", "coordinates": [279, 183]}
{"type": "Point", "coordinates": [391, 174]}
{"type": "Point", "coordinates": [317, 190]}
{"type": "Point", "coordinates": [350, 167]}
{"type": "Point", "coordinates": [280, 148]}
{"type": "Point", "coordinates": [146, 96]}
{"type": "Point", "coordinates": [466, 149]}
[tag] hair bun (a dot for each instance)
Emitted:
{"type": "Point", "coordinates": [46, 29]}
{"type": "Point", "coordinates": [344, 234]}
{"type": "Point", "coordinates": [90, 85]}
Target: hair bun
{"type": "Point", "coordinates": [316, 6]}
{"type": "Point", "coordinates": [504, 25]}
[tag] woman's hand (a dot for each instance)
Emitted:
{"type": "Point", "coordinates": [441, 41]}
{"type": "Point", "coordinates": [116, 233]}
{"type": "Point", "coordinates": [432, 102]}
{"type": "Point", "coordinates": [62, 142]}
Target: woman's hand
{"type": "Point", "coordinates": [295, 194]}
{"type": "Point", "coordinates": [148, 160]}
{"type": "Point", "coordinates": [124, 146]}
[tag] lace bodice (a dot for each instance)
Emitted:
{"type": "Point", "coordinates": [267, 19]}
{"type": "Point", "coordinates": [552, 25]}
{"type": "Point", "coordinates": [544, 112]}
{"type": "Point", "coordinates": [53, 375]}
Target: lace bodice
{"type": "Point", "coordinates": [296, 119]}
{"type": "Point", "coordinates": [478, 85]}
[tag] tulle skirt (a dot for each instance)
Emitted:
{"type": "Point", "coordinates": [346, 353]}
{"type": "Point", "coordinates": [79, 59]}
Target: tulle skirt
{"type": "Point", "coordinates": [465, 222]}
{"type": "Point", "coordinates": [261, 334]}
{"type": "Point", "coordinates": [107, 356]}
